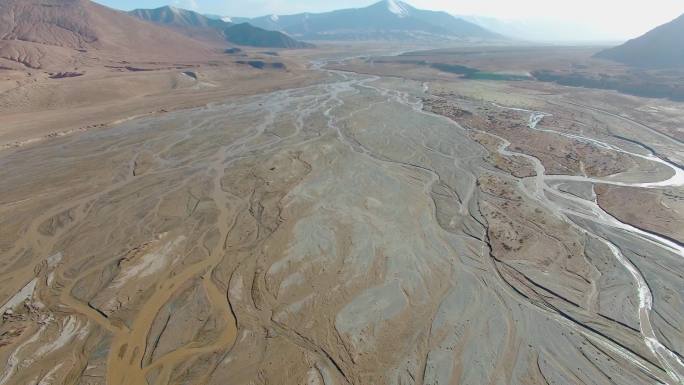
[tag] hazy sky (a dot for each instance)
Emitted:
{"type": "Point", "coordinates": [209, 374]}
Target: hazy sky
{"type": "Point", "coordinates": [611, 18]}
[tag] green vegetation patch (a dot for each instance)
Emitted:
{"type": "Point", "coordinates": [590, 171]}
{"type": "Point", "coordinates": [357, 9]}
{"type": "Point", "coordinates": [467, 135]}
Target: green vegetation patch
{"type": "Point", "coordinates": [497, 76]}
{"type": "Point", "coordinates": [475, 74]}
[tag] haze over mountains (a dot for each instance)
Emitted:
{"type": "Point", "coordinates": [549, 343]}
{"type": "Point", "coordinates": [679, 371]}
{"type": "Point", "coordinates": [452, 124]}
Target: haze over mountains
{"type": "Point", "coordinates": [214, 30]}
{"type": "Point", "coordinates": [661, 47]}
{"type": "Point", "coordinates": [385, 20]}
{"type": "Point", "coordinates": [549, 30]}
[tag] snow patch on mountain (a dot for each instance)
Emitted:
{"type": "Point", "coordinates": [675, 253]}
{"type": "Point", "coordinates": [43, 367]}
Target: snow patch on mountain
{"type": "Point", "coordinates": [275, 17]}
{"type": "Point", "coordinates": [398, 8]}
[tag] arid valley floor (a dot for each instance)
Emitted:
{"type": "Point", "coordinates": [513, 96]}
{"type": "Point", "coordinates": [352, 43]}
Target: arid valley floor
{"type": "Point", "coordinates": [356, 219]}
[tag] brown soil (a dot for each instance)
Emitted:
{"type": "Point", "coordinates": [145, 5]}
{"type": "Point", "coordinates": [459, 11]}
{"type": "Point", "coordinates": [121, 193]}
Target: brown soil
{"type": "Point", "coordinates": [656, 211]}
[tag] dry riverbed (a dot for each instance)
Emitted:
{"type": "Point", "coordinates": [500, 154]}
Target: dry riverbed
{"type": "Point", "coordinates": [354, 229]}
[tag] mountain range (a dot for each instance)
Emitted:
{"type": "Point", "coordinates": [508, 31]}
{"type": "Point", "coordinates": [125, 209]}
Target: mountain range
{"type": "Point", "coordinates": [216, 30]}
{"type": "Point", "coordinates": [385, 20]}
{"type": "Point", "coordinates": [63, 33]}
{"type": "Point", "coordinates": [661, 47]}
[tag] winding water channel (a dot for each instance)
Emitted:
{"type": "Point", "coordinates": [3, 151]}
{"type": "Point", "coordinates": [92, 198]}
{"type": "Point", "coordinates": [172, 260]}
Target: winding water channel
{"type": "Point", "coordinates": [570, 206]}
{"type": "Point", "coordinates": [590, 210]}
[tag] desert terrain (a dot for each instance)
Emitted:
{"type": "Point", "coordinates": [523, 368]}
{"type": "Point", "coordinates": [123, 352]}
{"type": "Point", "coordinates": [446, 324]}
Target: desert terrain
{"type": "Point", "coordinates": [360, 216]}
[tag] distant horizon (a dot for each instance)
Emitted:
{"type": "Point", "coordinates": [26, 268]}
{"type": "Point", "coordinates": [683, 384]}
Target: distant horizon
{"type": "Point", "coordinates": [609, 20]}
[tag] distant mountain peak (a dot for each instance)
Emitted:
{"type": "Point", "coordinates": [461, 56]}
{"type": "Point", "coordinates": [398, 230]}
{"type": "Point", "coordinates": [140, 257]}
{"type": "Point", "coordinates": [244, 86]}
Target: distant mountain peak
{"type": "Point", "coordinates": [275, 17]}
{"type": "Point", "coordinates": [398, 8]}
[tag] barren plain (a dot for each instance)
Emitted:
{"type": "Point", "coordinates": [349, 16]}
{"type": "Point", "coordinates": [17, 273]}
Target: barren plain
{"type": "Point", "coordinates": [347, 221]}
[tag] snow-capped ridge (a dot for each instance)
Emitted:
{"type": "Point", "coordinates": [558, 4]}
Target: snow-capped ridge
{"type": "Point", "coordinates": [398, 8]}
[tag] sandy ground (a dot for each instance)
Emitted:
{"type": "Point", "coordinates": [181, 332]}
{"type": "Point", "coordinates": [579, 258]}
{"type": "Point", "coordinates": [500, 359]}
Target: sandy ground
{"type": "Point", "coordinates": [35, 107]}
{"type": "Point", "coordinates": [323, 227]}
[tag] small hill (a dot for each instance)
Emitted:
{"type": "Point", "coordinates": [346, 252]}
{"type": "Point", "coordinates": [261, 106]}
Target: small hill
{"type": "Point", "coordinates": [385, 20]}
{"type": "Point", "coordinates": [246, 34]}
{"type": "Point", "coordinates": [662, 47]}
{"type": "Point", "coordinates": [55, 33]}
{"type": "Point", "coordinates": [170, 15]}
{"type": "Point", "coordinates": [216, 30]}
{"type": "Point", "coordinates": [186, 22]}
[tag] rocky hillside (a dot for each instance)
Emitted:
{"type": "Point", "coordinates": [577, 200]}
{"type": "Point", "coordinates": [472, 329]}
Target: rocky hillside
{"type": "Point", "coordinates": [58, 33]}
